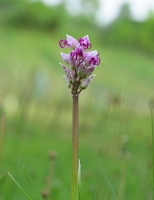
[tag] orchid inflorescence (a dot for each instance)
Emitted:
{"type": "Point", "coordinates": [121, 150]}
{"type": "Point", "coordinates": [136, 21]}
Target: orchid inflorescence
{"type": "Point", "coordinates": [81, 62]}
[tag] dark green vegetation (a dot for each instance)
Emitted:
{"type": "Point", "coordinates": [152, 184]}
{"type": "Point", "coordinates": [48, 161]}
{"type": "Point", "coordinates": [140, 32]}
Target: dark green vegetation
{"type": "Point", "coordinates": [115, 144]}
{"type": "Point", "coordinates": [123, 31]}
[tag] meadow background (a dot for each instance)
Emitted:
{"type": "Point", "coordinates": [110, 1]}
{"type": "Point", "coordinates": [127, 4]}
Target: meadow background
{"type": "Point", "coordinates": [115, 141]}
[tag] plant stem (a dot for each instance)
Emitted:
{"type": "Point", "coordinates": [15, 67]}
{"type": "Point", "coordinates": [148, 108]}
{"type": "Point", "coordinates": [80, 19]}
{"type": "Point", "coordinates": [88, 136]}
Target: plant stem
{"type": "Point", "coordinates": [152, 147]}
{"type": "Point", "coordinates": [40, 197]}
{"type": "Point", "coordinates": [75, 118]}
{"type": "Point", "coordinates": [2, 132]}
{"type": "Point", "coordinates": [19, 186]}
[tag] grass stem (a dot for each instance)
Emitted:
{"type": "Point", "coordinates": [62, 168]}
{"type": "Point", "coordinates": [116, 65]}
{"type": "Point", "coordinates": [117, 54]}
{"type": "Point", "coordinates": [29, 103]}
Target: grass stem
{"type": "Point", "coordinates": [26, 195]}
{"type": "Point", "coordinates": [2, 132]}
{"type": "Point", "coordinates": [152, 126]}
{"type": "Point", "coordinates": [40, 197]}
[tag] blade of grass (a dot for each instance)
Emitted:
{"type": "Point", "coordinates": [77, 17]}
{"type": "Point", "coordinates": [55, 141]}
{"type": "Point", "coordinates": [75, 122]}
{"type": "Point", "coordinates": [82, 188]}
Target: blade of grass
{"type": "Point", "coordinates": [2, 133]}
{"type": "Point", "coordinates": [19, 186]}
{"type": "Point", "coordinates": [152, 147]}
{"type": "Point", "coordinates": [40, 197]}
{"type": "Point", "coordinates": [79, 180]}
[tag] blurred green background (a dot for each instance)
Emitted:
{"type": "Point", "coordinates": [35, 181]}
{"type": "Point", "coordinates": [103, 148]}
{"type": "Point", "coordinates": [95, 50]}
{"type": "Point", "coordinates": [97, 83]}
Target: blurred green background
{"type": "Point", "coordinates": [115, 141]}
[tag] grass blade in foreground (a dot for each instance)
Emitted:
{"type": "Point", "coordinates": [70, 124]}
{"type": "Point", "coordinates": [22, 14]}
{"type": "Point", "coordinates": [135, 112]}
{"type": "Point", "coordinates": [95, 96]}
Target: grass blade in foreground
{"type": "Point", "coordinates": [152, 145]}
{"type": "Point", "coordinates": [2, 132]}
{"type": "Point", "coordinates": [40, 197]}
{"type": "Point", "coordinates": [26, 195]}
{"type": "Point", "coordinates": [79, 180]}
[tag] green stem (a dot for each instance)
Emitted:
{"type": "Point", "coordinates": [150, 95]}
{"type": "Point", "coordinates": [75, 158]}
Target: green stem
{"type": "Point", "coordinates": [152, 147]}
{"type": "Point", "coordinates": [75, 118]}
{"type": "Point", "coordinates": [19, 186]}
{"type": "Point", "coordinates": [2, 133]}
{"type": "Point", "coordinates": [40, 197]}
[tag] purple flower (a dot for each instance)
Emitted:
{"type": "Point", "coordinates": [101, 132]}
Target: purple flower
{"type": "Point", "coordinates": [78, 53]}
{"type": "Point", "coordinates": [95, 60]}
{"type": "Point", "coordinates": [81, 62]}
{"type": "Point", "coordinates": [85, 43]}
{"type": "Point", "coordinates": [70, 42]}
{"type": "Point", "coordinates": [65, 57]}
{"type": "Point", "coordinates": [84, 84]}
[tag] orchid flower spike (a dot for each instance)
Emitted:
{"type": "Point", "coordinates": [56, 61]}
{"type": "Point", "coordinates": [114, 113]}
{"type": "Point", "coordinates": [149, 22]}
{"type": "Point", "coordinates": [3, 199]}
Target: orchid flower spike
{"type": "Point", "coordinates": [82, 63]}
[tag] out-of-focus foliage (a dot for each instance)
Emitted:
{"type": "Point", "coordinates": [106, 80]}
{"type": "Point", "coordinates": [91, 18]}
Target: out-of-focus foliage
{"type": "Point", "coordinates": [31, 14]}
{"type": "Point", "coordinates": [38, 15]}
{"type": "Point", "coordinates": [125, 31]}
{"type": "Point", "coordinates": [115, 125]}
{"type": "Point", "coordinates": [115, 128]}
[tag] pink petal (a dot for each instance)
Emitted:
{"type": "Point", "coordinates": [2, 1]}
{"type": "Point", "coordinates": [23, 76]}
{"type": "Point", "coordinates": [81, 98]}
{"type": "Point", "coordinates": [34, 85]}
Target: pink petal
{"type": "Point", "coordinates": [65, 57]}
{"type": "Point", "coordinates": [72, 41]}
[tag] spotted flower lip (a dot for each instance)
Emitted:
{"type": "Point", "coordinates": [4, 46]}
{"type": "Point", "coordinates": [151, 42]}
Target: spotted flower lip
{"type": "Point", "coordinates": [78, 53]}
{"type": "Point", "coordinates": [82, 62]}
{"type": "Point", "coordinates": [64, 44]}
{"type": "Point", "coordinates": [85, 42]}
{"type": "Point", "coordinates": [70, 42]}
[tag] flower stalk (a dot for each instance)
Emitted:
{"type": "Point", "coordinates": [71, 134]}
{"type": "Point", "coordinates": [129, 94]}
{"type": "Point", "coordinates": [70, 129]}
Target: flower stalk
{"type": "Point", "coordinates": [78, 76]}
{"type": "Point", "coordinates": [75, 125]}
